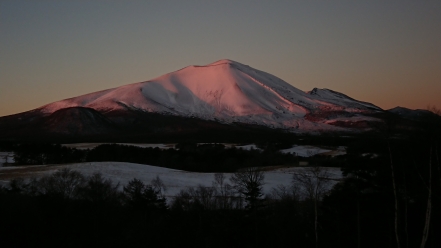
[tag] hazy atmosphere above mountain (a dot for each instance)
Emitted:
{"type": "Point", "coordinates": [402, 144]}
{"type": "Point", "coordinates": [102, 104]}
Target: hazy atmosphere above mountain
{"type": "Point", "coordinates": [384, 53]}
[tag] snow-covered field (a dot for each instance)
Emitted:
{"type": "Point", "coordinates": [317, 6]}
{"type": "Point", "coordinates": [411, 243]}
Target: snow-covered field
{"type": "Point", "coordinates": [6, 157]}
{"type": "Point", "coordinates": [84, 146]}
{"type": "Point", "coordinates": [175, 180]}
{"type": "Point", "coordinates": [249, 147]}
{"type": "Point", "coordinates": [308, 151]}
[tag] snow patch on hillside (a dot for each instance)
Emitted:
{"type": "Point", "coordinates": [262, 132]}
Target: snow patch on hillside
{"type": "Point", "coordinates": [249, 147]}
{"type": "Point", "coordinates": [6, 158]}
{"type": "Point", "coordinates": [305, 151]}
{"type": "Point", "coordinates": [84, 146]}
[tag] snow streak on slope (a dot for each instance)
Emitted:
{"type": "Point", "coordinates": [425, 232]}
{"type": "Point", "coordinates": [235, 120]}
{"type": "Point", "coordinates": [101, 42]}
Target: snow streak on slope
{"type": "Point", "coordinates": [225, 91]}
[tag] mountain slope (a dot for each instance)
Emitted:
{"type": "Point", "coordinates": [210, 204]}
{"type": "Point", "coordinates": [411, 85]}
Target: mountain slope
{"type": "Point", "coordinates": [78, 121]}
{"type": "Point", "coordinates": [342, 100]}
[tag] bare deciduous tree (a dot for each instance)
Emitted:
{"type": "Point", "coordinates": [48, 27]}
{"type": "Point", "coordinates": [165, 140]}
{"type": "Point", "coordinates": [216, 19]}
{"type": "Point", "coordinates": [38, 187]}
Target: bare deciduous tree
{"type": "Point", "coordinates": [64, 182]}
{"type": "Point", "coordinates": [99, 189]}
{"type": "Point", "coordinates": [205, 196]}
{"type": "Point", "coordinates": [429, 205]}
{"type": "Point", "coordinates": [394, 187]}
{"type": "Point", "coordinates": [159, 186]}
{"type": "Point", "coordinates": [314, 184]}
{"type": "Point", "coordinates": [283, 192]}
{"type": "Point", "coordinates": [224, 192]}
{"type": "Point", "coordinates": [194, 198]}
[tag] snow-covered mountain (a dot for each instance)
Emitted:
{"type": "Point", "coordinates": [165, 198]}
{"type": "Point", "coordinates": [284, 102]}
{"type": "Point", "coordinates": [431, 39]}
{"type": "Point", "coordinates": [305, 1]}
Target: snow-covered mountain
{"type": "Point", "coordinates": [228, 92]}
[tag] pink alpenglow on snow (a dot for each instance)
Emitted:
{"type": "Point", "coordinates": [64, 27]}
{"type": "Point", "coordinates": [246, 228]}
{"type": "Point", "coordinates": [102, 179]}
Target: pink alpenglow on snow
{"type": "Point", "coordinates": [226, 91]}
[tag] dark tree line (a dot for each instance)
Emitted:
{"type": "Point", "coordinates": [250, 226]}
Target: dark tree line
{"type": "Point", "coordinates": [187, 156]}
{"type": "Point", "coordinates": [32, 154]}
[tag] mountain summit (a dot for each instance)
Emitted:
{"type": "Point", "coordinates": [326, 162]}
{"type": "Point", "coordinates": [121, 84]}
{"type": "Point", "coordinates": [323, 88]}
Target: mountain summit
{"type": "Point", "coordinates": [224, 92]}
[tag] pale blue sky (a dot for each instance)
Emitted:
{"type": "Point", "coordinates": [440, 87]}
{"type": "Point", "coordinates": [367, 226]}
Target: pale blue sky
{"type": "Point", "coordinates": [384, 52]}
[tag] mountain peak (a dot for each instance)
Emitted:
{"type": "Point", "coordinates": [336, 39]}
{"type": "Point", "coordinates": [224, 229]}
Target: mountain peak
{"type": "Point", "coordinates": [313, 91]}
{"type": "Point", "coordinates": [224, 61]}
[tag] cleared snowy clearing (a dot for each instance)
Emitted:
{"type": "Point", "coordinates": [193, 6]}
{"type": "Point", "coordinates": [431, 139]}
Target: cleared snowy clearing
{"type": "Point", "coordinates": [175, 180]}
{"type": "Point", "coordinates": [84, 146]}
{"type": "Point", "coordinates": [308, 151]}
{"type": "Point", "coordinates": [249, 147]}
{"type": "Point", "coordinates": [6, 157]}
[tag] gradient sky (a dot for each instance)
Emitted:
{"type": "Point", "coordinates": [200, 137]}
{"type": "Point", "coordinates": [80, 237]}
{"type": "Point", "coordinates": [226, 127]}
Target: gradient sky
{"type": "Point", "coordinates": [384, 52]}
